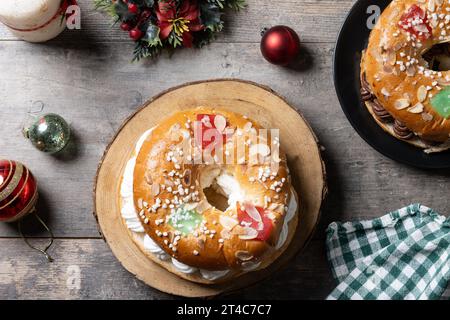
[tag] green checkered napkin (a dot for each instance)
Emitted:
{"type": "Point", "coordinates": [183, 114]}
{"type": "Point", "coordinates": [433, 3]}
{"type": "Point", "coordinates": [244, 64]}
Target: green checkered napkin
{"type": "Point", "coordinates": [402, 255]}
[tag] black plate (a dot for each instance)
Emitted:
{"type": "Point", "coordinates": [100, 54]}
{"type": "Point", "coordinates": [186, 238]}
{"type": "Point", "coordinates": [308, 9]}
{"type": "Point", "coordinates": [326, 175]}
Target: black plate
{"type": "Point", "coordinates": [351, 41]}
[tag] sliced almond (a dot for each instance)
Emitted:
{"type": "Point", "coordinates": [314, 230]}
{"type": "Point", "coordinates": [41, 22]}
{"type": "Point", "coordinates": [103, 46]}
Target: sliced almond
{"type": "Point", "coordinates": [168, 183]}
{"type": "Point", "coordinates": [401, 104]}
{"type": "Point", "coordinates": [175, 134]}
{"type": "Point", "coordinates": [434, 23]}
{"type": "Point", "coordinates": [228, 222]}
{"type": "Point", "coordinates": [250, 265]}
{"type": "Point", "coordinates": [422, 93]}
{"type": "Point", "coordinates": [148, 178]}
{"type": "Point", "coordinates": [410, 71]}
{"type": "Point", "coordinates": [444, 81]}
{"type": "Point", "coordinates": [220, 122]}
{"type": "Point", "coordinates": [139, 203]}
{"type": "Point", "coordinates": [201, 242]}
{"type": "Point", "coordinates": [431, 6]}
{"type": "Point", "coordinates": [248, 233]}
{"type": "Point", "coordinates": [391, 57]}
{"type": "Point", "coordinates": [252, 212]}
{"type": "Point", "coordinates": [417, 108]}
{"type": "Point", "coordinates": [385, 92]}
{"type": "Point", "coordinates": [155, 189]}
{"type": "Point", "coordinates": [427, 116]}
{"type": "Point", "coordinates": [243, 255]}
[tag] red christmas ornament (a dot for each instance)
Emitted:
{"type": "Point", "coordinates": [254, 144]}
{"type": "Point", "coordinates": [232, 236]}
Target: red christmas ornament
{"type": "Point", "coordinates": [135, 34]}
{"type": "Point", "coordinates": [18, 191]}
{"type": "Point", "coordinates": [280, 45]}
{"type": "Point", "coordinates": [18, 197]}
{"type": "Point", "coordinates": [133, 8]}
{"type": "Point", "coordinates": [125, 26]}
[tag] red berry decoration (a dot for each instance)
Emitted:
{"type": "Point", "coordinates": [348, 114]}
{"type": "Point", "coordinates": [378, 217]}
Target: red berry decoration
{"type": "Point", "coordinates": [133, 8]}
{"type": "Point", "coordinates": [18, 191]}
{"type": "Point", "coordinates": [280, 45]}
{"type": "Point", "coordinates": [135, 34]}
{"type": "Point", "coordinates": [125, 26]}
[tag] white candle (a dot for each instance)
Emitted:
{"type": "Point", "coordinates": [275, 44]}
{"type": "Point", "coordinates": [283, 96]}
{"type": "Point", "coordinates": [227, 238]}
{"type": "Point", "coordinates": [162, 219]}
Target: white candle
{"type": "Point", "coordinates": [32, 20]}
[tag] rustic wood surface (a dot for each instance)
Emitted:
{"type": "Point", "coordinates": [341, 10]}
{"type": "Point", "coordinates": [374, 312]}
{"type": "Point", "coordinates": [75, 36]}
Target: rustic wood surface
{"type": "Point", "coordinates": [86, 77]}
{"type": "Point", "coordinates": [244, 97]}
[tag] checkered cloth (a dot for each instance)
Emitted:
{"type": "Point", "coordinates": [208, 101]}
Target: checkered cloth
{"type": "Point", "coordinates": [402, 255]}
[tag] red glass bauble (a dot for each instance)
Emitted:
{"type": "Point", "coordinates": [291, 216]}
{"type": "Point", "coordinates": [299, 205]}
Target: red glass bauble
{"type": "Point", "coordinates": [280, 45]}
{"type": "Point", "coordinates": [18, 191]}
{"type": "Point", "coordinates": [135, 34]}
{"type": "Point", "coordinates": [125, 26]}
{"type": "Point", "coordinates": [133, 8]}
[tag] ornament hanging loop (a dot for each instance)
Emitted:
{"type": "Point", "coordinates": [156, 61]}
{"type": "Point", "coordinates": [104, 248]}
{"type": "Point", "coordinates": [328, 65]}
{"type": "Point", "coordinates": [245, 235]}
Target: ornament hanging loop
{"type": "Point", "coordinates": [263, 30]}
{"type": "Point", "coordinates": [43, 251]}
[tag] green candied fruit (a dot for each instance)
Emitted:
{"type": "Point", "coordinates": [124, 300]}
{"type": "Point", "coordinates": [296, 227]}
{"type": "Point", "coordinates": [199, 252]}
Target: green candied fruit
{"type": "Point", "coordinates": [441, 103]}
{"type": "Point", "coordinates": [185, 221]}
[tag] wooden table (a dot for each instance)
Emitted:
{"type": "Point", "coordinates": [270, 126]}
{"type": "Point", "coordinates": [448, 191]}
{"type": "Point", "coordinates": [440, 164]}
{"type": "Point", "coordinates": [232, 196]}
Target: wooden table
{"type": "Point", "coordinates": [86, 76]}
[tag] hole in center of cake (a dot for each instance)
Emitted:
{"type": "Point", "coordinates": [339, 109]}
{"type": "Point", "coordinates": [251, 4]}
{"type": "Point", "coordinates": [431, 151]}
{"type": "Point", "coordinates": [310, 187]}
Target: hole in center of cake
{"type": "Point", "coordinates": [216, 198]}
{"type": "Point", "coordinates": [438, 57]}
{"type": "Point", "coordinates": [220, 187]}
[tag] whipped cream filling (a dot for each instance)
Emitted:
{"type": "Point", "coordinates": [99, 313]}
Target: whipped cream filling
{"type": "Point", "coordinates": [130, 216]}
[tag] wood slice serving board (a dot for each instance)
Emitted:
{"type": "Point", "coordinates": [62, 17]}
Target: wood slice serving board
{"type": "Point", "coordinates": [247, 98]}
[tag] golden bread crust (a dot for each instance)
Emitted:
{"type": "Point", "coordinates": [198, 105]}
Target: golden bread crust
{"type": "Point", "coordinates": [165, 181]}
{"type": "Point", "coordinates": [232, 274]}
{"type": "Point", "coordinates": [398, 75]}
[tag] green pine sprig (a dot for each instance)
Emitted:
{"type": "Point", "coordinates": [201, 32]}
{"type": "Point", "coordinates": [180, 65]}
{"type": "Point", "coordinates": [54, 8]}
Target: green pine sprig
{"type": "Point", "coordinates": [236, 4]}
{"type": "Point", "coordinates": [143, 50]}
{"type": "Point", "coordinates": [106, 6]}
{"type": "Point", "coordinates": [150, 45]}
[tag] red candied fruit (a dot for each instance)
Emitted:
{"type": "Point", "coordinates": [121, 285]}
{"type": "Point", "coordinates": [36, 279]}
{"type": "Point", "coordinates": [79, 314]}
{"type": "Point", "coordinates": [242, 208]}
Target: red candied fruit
{"type": "Point", "coordinates": [415, 22]}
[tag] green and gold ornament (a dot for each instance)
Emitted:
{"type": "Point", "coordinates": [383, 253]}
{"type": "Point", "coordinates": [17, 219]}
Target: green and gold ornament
{"type": "Point", "coordinates": [48, 133]}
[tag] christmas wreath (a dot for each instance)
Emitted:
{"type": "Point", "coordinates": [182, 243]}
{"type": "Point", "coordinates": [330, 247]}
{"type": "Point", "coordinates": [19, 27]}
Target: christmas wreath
{"type": "Point", "coordinates": [158, 24]}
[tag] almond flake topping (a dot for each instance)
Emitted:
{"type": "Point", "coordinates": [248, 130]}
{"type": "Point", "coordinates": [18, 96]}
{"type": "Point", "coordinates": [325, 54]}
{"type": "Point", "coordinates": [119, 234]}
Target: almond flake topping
{"type": "Point", "coordinates": [427, 116]}
{"type": "Point", "coordinates": [227, 222]}
{"type": "Point", "coordinates": [401, 104]}
{"type": "Point", "coordinates": [385, 92]}
{"type": "Point", "coordinates": [155, 189]}
{"type": "Point", "coordinates": [417, 108]}
{"type": "Point", "coordinates": [248, 233]}
{"type": "Point", "coordinates": [422, 93]}
{"type": "Point", "coordinates": [243, 255]}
